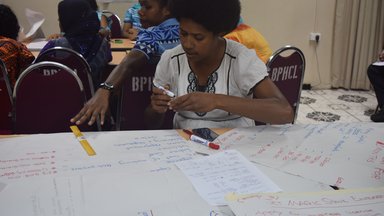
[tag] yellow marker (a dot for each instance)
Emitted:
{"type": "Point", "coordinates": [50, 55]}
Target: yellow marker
{"type": "Point", "coordinates": [80, 137]}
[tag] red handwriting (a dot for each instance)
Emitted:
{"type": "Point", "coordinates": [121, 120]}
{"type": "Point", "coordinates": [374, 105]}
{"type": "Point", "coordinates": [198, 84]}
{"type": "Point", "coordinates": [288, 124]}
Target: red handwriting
{"type": "Point", "coordinates": [30, 164]}
{"type": "Point", "coordinates": [378, 173]}
{"type": "Point", "coordinates": [339, 181]}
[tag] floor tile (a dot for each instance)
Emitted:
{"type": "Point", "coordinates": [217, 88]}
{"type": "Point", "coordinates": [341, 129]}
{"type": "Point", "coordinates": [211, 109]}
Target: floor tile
{"type": "Point", "coordinates": [335, 105]}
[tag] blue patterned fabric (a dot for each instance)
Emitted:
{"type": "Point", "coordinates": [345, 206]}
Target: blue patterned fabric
{"type": "Point", "coordinates": [132, 16]}
{"type": "Point", "coordinates": [155, 40]}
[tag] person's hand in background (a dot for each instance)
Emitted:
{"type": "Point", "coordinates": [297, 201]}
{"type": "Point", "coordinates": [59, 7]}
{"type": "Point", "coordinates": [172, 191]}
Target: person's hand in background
{"type": "Point", "coordinates": [54, 36]}
{"type": "Point", "coordinates": [381, 55]}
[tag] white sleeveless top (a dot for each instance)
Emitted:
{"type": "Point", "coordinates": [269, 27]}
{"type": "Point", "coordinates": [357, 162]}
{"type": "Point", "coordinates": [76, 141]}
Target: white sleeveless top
{"type": "Point", "coordinates": [239, 72]}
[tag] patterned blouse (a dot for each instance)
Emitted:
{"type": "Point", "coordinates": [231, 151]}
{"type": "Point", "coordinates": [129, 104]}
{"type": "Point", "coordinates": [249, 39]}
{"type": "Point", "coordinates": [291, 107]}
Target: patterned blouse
{"type": "Point", "coordinates": [132, 15]}
{"type": "Point", "coordinates": [155, 40]}
{"type": "Point", "coordinates": [16, 57]}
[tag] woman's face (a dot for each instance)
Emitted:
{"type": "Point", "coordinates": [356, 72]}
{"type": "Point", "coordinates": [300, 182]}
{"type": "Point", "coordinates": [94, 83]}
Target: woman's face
{"type": "Point", "coordinates": [197, 41]}
{"type": "Point", "coordinates": [152, 13]}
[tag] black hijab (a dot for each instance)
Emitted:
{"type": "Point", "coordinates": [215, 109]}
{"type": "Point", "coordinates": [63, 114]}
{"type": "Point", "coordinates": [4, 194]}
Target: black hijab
{"type": "Point", "coordinates": [81, 26]}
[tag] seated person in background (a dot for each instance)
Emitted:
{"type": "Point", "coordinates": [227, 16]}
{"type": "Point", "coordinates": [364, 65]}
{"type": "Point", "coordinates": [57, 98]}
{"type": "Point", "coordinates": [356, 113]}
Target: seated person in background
{"type": "Point", "coordinates": [214, 79]}
{"type": "Point", "coordinates": [80, 26]}
{"type": "Point", "coordinates": [252, 39]}
{"type": "Point", "coordinates": [150, 44]}
{"type": "Point", "coordinates": [132, 23]}
{"type": "Point", "coordinates": [104, 30]}
{"type": "Point", "coordinates": [14, 54]}
{"type": "Point", "coordinates": [376, 76]}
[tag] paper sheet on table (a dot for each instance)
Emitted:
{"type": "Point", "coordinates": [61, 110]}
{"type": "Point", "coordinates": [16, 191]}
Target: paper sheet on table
{"type": "Point", "coordinates": [60, 196]}
{"type": "Point", "coordinates": [37, 45]}
{"type": "Point", "coordinates": [357, 202]}
{"type": "Point", "coordinates": [61, 154]}
{"type": "Point", "coordinates": [321, 152]}
{"type": "Point", "coordinates": [378, 63]}
{"type": "Point", "coordinates": [35, 19]}
{"type": "Point", "coordinates": [2, 186]}
{"type": "Point", "coordinates": [216, 175]}
{"type": "Point", "coordinates": [159, 194]}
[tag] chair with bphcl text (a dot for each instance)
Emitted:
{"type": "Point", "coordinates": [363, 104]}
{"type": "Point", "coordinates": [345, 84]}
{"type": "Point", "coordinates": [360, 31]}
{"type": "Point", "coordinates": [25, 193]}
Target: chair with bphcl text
{"type": "Point", "coordinates": [286, 69]}
{"type": "Point", "coordinates": [73, 60]}
{"type": "Point", "coordinates": [5, 101]}
{"type": "Point", "coordinates": [135, 98]}
{"type": "Point", "coordinates": [46, 96]}
{"type": "Point", "coordinates": [114, 24]}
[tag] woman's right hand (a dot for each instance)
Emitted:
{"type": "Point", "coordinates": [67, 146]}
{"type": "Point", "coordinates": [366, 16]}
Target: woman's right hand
{"type": "Point", "coordinates": [160, 100]}
{"type": "Point", "coordinates": [96, 107]}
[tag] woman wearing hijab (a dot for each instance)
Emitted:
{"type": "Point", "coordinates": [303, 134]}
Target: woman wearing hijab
{"type": "Point", "coordinates": [80, 25]}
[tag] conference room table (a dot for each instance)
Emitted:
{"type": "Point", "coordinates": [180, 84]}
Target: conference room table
{"type": "Point", "coordinates": [121, 44]}
{"type": "Point", "coordinates": [155, 172]}
{"type": "Point", "coordinates": [117, 44]}
{"type": "Point", "coordinates": [119, 47]}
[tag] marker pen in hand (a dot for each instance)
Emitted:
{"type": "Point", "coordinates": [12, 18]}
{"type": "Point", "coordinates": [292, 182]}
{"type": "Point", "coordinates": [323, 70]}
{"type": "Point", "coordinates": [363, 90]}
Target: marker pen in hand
{"type": "Point", "coordinates": [200, 140]}
{"type": "Point", "coordinates": [169, 93]}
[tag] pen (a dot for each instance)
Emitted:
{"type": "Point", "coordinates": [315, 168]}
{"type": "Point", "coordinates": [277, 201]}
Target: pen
{"type": "Point", "coordinates": [201, 140]}
{"type": "Point", "coordinates": [169, 93]}
{"type": "Point", "coordinates": [80, 137]}
{"type": "Point", "coordinates": [334, 187]}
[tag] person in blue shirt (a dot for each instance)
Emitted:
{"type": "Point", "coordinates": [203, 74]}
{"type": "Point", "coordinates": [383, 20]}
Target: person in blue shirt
{"type": "Point", "coordinates": [161, 32]}
{"type": "Point", "coordinates": [105, 30]}
{"type": "Point", "coordinates": [132, 23]}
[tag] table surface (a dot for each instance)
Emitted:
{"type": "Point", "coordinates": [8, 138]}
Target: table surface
{"type": "Point", "coordinates": [137, 167]}
{"type": "Point", "coordinates": [117, 56]}
{"type": "Point", "coordinates": [117, 44]}
{"type": "Point", "coordinates": [121, 44]}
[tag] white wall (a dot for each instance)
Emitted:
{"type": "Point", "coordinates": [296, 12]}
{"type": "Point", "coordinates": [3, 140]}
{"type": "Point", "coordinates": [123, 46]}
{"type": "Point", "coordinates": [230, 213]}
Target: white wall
{"type": "Point", "coordinates": [49, 9]}
{"type": "Point", "coordinates": [290, 22]}
{"type": "Point", "coordinates": [282, 22]}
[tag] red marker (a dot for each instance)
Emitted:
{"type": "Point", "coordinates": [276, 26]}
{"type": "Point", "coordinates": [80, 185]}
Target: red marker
{"type": "Point", "coordinates": [201, 140]}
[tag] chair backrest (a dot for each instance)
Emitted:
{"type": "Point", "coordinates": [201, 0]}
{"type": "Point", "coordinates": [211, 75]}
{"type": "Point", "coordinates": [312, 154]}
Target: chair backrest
{"type": "Point", "coordinates": [135, 98]}
{"type": "Point", "coordinates": [114, 24]}
{"type": "Point", "coordinates": [286, 68]}
{"type": "Point", "coordinates": [46, 96]}
{"type": "Point", "coordinates": [73, 60]}
{"type": "Point", "coordinates": [5, 101]}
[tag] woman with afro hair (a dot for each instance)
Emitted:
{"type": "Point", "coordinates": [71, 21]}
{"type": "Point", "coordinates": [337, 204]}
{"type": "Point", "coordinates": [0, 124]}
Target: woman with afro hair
{"type": "Point", "coordinates": [218, 83]}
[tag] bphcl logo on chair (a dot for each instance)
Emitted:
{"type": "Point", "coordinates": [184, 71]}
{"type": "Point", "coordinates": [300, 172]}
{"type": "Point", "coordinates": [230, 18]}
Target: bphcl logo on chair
{"type": "Point", "coordinates": [284, 73]}
{"type": "Point", "coordinates": [49, 72]}
{"type": "Point", "coordinates": [140, 84]}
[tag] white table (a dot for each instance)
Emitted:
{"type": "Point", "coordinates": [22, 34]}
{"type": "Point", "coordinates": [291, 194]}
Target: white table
{"type": "Point", "coordinates": [134, 172]}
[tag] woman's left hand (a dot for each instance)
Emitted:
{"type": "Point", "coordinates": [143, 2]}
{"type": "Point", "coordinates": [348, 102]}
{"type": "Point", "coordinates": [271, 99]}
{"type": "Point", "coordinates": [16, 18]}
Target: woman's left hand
{"type": "Point", "coordinates": [195, 102]}
{"type": "Point", "coordinates": [381, 56]}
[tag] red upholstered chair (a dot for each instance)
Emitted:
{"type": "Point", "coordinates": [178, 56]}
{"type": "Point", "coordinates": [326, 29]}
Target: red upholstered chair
{"type": "Point", "coordinates": [73, 60]}
{"type": "Point", "coordinates": [135, 98]}
{"type": "Point", "coordinates": [114, 24]}
{"type": "Point", "coordinates": [46, 96]}
{"type": "Point", "coordinates": [5, 101]}
{"type": "Point", "coordinates": [286, 68]}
